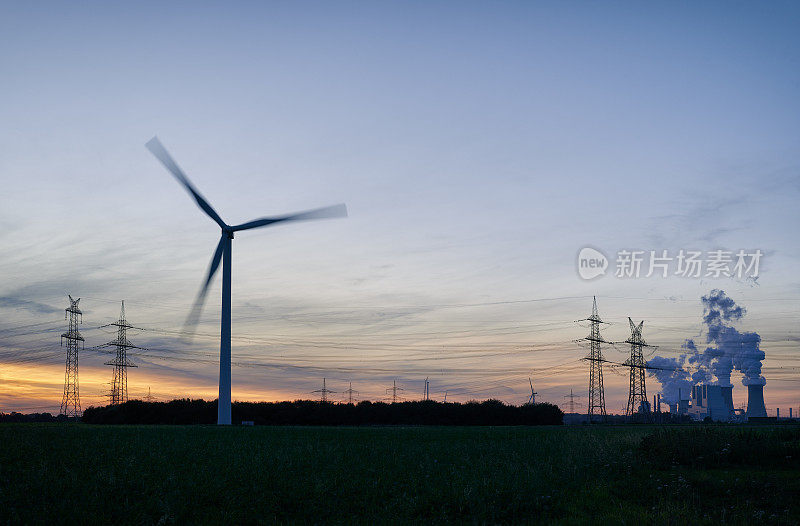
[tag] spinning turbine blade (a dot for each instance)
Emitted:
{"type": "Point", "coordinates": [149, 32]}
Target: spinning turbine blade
{"type": "Point", "coordinates": [194, 314]}
{"type": "Point", "coordinates": [157, 149]}
{"type": "Point", "coordinates": [339, 210]}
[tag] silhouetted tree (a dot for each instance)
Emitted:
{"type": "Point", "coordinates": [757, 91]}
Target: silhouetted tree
{"type": "Point", "coordinates": [308, 412]}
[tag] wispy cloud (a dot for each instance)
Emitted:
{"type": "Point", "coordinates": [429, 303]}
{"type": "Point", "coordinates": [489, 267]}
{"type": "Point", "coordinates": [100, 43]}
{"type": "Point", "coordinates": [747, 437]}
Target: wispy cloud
{"type": "Point", "coordinates": [697, 222]}
{"type": "Point", "coordinates": [15, 302]}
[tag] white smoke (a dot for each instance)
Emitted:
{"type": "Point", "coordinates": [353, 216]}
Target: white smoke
{"type": "Point", "coordinates": [726, 350]}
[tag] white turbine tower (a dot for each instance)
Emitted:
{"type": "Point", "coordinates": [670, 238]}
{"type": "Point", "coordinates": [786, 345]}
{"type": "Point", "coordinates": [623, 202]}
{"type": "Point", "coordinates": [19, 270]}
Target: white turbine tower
{"type": "Point", "coordinates": [223, 252]}
{"type": "Point", "coordinates": [532, 397]}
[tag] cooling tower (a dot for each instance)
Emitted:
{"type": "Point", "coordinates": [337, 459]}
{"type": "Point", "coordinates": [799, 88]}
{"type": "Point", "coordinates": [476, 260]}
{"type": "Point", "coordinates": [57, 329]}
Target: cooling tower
{"type": "Point", "coordinates": [755, 401]}
{"type": "Point", "coordinates": [727, 397]}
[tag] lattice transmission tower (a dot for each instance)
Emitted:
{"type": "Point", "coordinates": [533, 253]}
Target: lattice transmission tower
{"type": "Point", "coordinates": [71, 402]}
{"type": "Point", "coordinates": [597, 401]}
{"type": "Point", "coordinates": [324, 392]}
{"type": "Point", "coordinates": [119, 384]}
{"type": "Point", "coordinates": [427, 392]}
{"type": "Point", "coordinates": [637, 394]}
{"type": "Point", "coordinates": [571, 397]}
{"type": "Point", "coordinates": [394, 390]}
{"type": "Point", "coordinates": [349, 392]}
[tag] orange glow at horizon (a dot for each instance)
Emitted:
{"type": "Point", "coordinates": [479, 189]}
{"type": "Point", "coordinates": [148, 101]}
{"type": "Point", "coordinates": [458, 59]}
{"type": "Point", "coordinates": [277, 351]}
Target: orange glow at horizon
{"type": "Point", "coordinates": [38, 388]}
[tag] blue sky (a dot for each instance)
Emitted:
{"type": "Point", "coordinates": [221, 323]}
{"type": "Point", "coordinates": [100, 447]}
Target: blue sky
{"type": "Point", "coordinates": [478, 146]}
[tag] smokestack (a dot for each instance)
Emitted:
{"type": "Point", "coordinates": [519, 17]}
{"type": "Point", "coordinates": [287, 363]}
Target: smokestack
{"type": "Point", "coordinates": [790, 413]}
{"type": "Point", "coordinates": [755, 401]}
{"type": "Point", "coordinates": [778, 413]}
{"type": "Point", "coordinates": [683, 405]}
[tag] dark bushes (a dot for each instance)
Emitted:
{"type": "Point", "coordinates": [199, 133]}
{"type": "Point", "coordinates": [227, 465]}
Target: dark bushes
{"type": "Point", "coordinates": [307, 412]}
{"type": "Point", "coordinates": [18, 418]}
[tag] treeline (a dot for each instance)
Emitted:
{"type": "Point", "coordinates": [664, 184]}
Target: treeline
{"type": "Point", "coordinates": [17, 418]}
{"type": "Point", "coordinates": [307, 412]}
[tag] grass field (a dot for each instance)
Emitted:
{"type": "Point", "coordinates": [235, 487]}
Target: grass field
{"type": "Point", "coordinates": [51, 473]}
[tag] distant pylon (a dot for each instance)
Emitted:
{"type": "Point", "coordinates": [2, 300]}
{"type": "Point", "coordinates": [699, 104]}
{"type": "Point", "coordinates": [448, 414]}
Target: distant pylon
{"type": "Point", "coordinates": [324, 392]}
{"type": "Point", "coordinates": [71, 402]}
{"type": "Point", "coordinates": [597, 401]}
{"type": "Point", "coordinates": [427, 392]}
{"type": "Point", "coordinates": [349, 393]}
{"type": "Point", "coordinates": [637, 393]}
{"type": "Point", "coordinates": [571, 398]}
{"type": "Point", "coordinates": [119, 384]}
{"type": "Point", "coordinates": [394, 390]}
{"type": "Point", "coordinates": [532, 397]}
{"type": "Point", "coordinates": [149, 398]}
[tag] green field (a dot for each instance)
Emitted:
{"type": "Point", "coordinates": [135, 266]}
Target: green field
{"type": "Point", "coordinates": [51, 473]}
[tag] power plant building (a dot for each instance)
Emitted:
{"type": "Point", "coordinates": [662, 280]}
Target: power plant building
{"type": "Point", "coordinates": [681, 407]}
{"type": "Point", "coordinates": [713, 401]}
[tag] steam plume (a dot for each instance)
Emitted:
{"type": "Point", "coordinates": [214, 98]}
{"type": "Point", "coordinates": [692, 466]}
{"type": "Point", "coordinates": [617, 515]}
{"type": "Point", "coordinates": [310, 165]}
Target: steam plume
{"type": "Point", "coordinates": [726, 350]}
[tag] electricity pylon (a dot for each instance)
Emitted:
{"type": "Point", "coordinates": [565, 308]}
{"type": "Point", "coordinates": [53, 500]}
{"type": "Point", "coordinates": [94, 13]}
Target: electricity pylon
{"type": "Point", "coordinates": [349, 393]}
{"type": "Point", "coordinates": [71, 402]}
{"type": "Point", "coordinates": [571, 397]}
{"type": "Point", "coordinates": [119, 384]}
{"type": "Point", "coordinates": [597, 401]}
{"type": "Point", "coordinates": [427, 392]}
{"type": "Point", "coordinates": [324, 392]}
{"type": "Point", "coordinates": [637, 394]}
{"type": "Point", "coordinates": [394, 390]}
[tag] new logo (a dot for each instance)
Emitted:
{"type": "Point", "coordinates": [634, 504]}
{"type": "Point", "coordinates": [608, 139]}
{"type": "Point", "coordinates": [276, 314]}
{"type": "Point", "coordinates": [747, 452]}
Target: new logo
{"type": "Point", "coordinates": [591, 263]}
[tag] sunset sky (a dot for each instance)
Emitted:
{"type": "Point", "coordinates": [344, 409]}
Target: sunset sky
{"type": "Point", "coordinates": [478, 146]}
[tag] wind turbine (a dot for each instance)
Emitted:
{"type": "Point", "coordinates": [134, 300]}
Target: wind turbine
{"type": "Point", "coordinates": [223, 253]}
{"type": "Point", "coordinates": [532, 397]}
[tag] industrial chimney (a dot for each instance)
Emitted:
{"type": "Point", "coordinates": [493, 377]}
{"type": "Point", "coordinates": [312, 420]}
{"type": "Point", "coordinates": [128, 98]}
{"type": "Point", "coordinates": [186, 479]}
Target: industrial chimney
{"type": "Point", "coordinates": [755, 400]}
